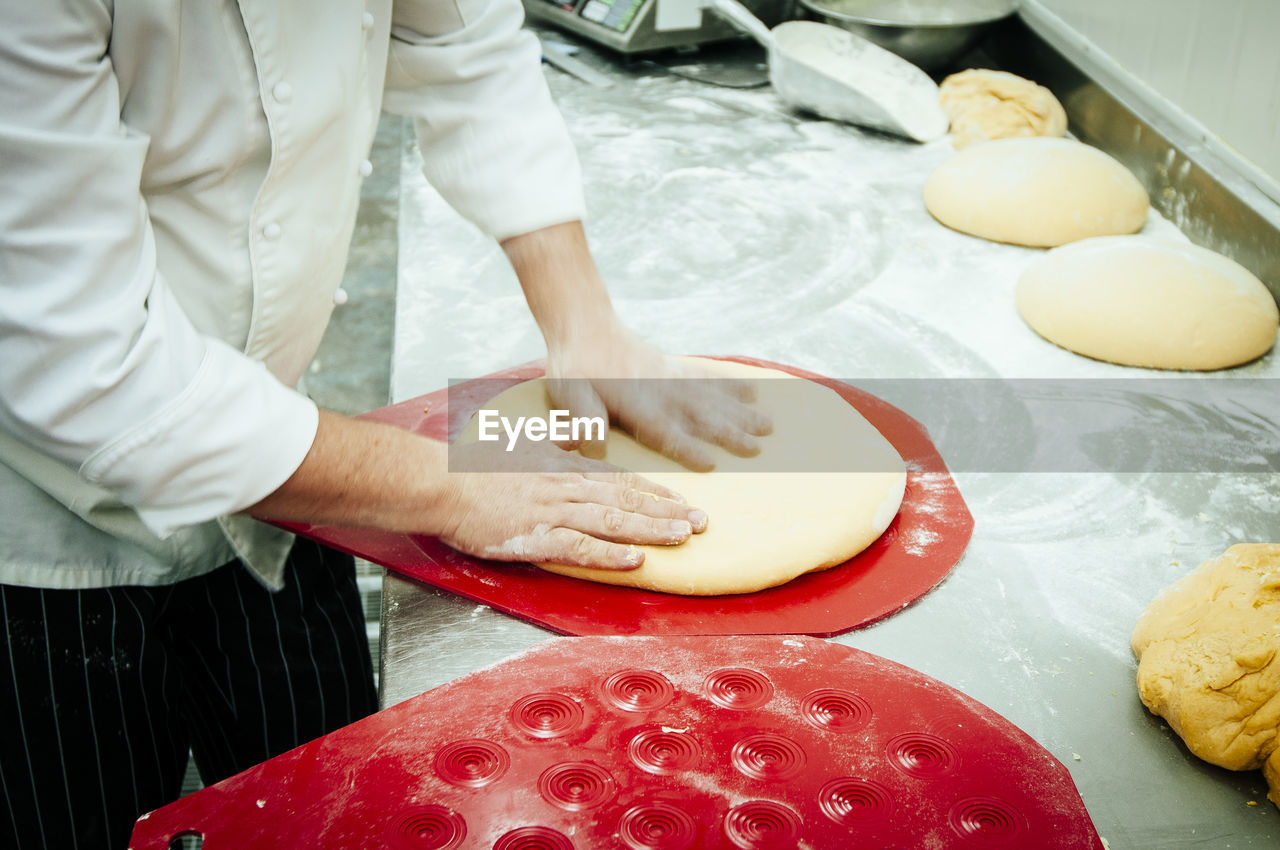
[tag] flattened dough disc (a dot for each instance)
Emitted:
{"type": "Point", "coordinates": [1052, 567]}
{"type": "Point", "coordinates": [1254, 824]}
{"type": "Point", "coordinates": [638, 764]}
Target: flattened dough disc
{"type": "Point", "coordinates": [773, 517]}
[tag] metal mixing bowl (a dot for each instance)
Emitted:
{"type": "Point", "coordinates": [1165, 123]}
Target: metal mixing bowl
{"type": "Point", "coordinates": [929, 33]}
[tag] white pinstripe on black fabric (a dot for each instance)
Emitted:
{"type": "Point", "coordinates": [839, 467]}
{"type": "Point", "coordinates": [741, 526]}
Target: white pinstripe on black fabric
{"type": "Point", "coordinates": [22, 727]}
{"type": "Point", "coordinates": [62, 757]}
{"type": "Point", "coordinates": [284, 665]}
{"type": "Point", "coordinates": [93, 723]}
{"type": "Point", "coordinates": [142, 694]}
{"type": "Point", "coordinates": [124, 727]}
{"type": "Point", "coordinates": [229, 693]}
{"type": "Point", "coordinates": [341, 667]}
{"type": "Point", "coordinates": [355, 624]}
{"type": "Point", "coordinates": [315, 665]}
{"type": "Point", "coordinates": [166, 727]}
{"type": "Point", "coordinates": [171, 686]}
{"type": "Point", "coordinates": [253, 658]}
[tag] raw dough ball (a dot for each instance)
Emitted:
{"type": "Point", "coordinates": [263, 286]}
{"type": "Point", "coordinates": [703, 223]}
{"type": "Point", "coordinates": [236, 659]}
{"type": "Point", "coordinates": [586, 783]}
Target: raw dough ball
{"type": "Point", "coordinates": [1209, 660]}
{"type": "Point", "coordinates": [767, 525]}
{"type": "Point", "coordinates": [983, 105]}
{"type": "Point", "coordinates": [1140, 301]}
{"type": "Point", "coordinates": [1037, 192]}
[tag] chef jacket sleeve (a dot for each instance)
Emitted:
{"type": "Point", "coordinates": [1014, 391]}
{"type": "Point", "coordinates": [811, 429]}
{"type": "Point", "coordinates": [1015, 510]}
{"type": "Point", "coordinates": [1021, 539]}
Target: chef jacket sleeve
{"type": "Point", "coordinates": [102, 369]}
{"type": "Point", "coordinates": [493, 143]}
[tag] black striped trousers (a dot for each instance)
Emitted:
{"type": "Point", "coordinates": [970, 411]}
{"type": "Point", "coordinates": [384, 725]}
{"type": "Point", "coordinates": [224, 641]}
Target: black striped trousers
{"type": "Point", "coordinates": [104, 691]}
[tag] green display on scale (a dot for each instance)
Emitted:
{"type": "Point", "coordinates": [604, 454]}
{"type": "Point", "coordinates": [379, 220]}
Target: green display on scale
{"type": "Point", "coordinates": [611, 14]}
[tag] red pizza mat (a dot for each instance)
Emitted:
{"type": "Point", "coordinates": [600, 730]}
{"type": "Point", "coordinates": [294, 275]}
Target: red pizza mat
{"type": "Point", "coordinates": [914, 554]}
{"type": "Point", "coordinates": [656, 744]}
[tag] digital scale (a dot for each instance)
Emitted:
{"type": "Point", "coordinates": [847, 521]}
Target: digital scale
{"type": "Point", "coordinates": [641, 26]}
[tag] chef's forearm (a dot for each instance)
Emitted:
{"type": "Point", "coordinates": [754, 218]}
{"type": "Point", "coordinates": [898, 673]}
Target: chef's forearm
{"type": "Point", "coordinates": [561, 284]}
{"type": "Point", "coordinates": [365, 474]}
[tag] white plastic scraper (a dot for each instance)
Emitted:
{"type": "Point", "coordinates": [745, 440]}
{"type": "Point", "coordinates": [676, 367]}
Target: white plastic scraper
{"type": "Point", "coordinates": [836, 74]}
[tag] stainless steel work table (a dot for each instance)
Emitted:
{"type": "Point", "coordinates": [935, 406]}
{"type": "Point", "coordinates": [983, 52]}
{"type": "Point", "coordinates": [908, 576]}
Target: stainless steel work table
{"type": "Point", "coordinates": [725, 224]}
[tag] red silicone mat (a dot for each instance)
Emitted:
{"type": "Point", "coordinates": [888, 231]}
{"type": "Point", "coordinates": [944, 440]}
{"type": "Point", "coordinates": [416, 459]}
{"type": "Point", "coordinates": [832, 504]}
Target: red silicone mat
{"type": "Point", "coordinates": [656, 744]}
{"type": "Point", "coordinates": [917, 551]}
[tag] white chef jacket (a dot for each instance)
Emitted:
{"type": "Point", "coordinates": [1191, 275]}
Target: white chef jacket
{"type": "Point", "coordinates": [180, 183]}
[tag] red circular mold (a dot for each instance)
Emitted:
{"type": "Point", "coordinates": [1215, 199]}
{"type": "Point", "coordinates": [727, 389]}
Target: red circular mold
{"type": "Point", "coordinates": [738, 688]}
{"type": "Point", "coordinates": [767, 756]}
{"type": "Point", "coordinates": [762, 825]}
{"type": "Point", "coordinates": [850, 801]}
{"type": "Point", "coordinates": [576, 785]}
{"type": "Point", "coordinates": [533, 838]}
{"type": "Point", "coordinates": [662, 752]}
{"type": "Point", "coordinates": [835, 709]}
{"type": "Point", "coordinates": [546, 715]}
{"type": "Point", "coordinates": [471, 763]}
{"type": "Point", "coordinates": [657, 826]}
{"type": "Point", "coordinates": [922, 756]}
{"type": "Point", "coordinates": [986, 819]}
{"type": "Point", "coordinates": [638, 690]}
{"type": "Point", "coordinates": [429, 828]}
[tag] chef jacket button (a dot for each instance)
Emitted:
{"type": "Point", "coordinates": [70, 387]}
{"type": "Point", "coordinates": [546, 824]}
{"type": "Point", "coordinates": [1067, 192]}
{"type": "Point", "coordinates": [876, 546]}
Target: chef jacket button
{"type": "Point", "coordinates": [366, 21]}
{"type": "Point", "coordinates": [366, 168]}
{"type": "Point", "coordinates": [271, 230]}
{"type": "Point", "coordinates": [340, 296]}
{"type": "Point", "coordinates": [282, 92]}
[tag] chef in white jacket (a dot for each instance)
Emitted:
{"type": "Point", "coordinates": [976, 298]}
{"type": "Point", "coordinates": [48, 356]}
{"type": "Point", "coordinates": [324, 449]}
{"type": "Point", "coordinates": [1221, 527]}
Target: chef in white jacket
{"type": "Point", "coordinates": [180, 183]}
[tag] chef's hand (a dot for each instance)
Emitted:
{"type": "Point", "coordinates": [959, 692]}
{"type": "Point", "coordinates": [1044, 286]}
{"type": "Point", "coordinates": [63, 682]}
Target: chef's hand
{"type": "Point", "coordinates": [558, 507]}
{"type": "Point", "coordinates": [597, 367]}
{"type": "Point", "coordinates": [670, 405]}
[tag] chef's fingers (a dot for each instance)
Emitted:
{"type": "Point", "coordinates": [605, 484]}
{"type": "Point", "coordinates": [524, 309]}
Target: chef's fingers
{"type": "Point", "coordinates": [724, 404]}
{"type": "Point", "coordinates": [610, 495]}
{"type": "Point", "coordinates": [667, 438]}
{"type": "Point", "coordinates": [723, 431]}
{"type": "Point", "coordinates": [581, 400]}
{"type": "Point", "coordinates": [566, 546]}
{"type": "Point", "coordinates": [599, 471]}
{"type": "Point", "coordinates": [753, 420]}
{"type": "Point", "coordinates": [738, 388]}
{"type": "Point", "coordinates": [621, 526]}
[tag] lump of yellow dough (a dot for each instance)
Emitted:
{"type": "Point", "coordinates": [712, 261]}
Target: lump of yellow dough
{"type": "Point", "coordinates": [1037, 192]}
{"type": "Point", "coordinates": [772, 517]}
{"type": "Point", "coordinates": [1148, 302]}
{"type": "Point", "coordinates": [983, 105]}
{"type": "Point", "coordinates": [1208, 660]}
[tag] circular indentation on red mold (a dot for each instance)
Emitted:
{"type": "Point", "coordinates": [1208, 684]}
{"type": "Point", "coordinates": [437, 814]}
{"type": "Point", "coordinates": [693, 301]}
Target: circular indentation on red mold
{"type": "Point", "coordinates": [471, 763]}
{"type": "Point", "coordinates": [738, 687]}
{"type": "Point", "coordinates": [832, 708]}
{"type": "Point", "coordinates": [638, 690]}
{"type": "Point", "coordinates": [533, 838]}
{"type": "Point", "coordinates": [767, 756]}
{"type": "Point", "coordinates": [762, 825]}
{"type": "Point", "coordinates": [657, 826]}
{"type": "Point", "coordinates": [921, 755]}
{"type": "Point", "coordinates": [546, 715]}
{"type": "Point", "coordinates": [576, 785]}
{"type": "Point", "coordinates": [986, 819]}
{"type": "Point", "coordinates": [429, 828]}
{"type": "Point", "coordinates": [850, 801]}
{"type": "Point", "coordinates": [663, 752]}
